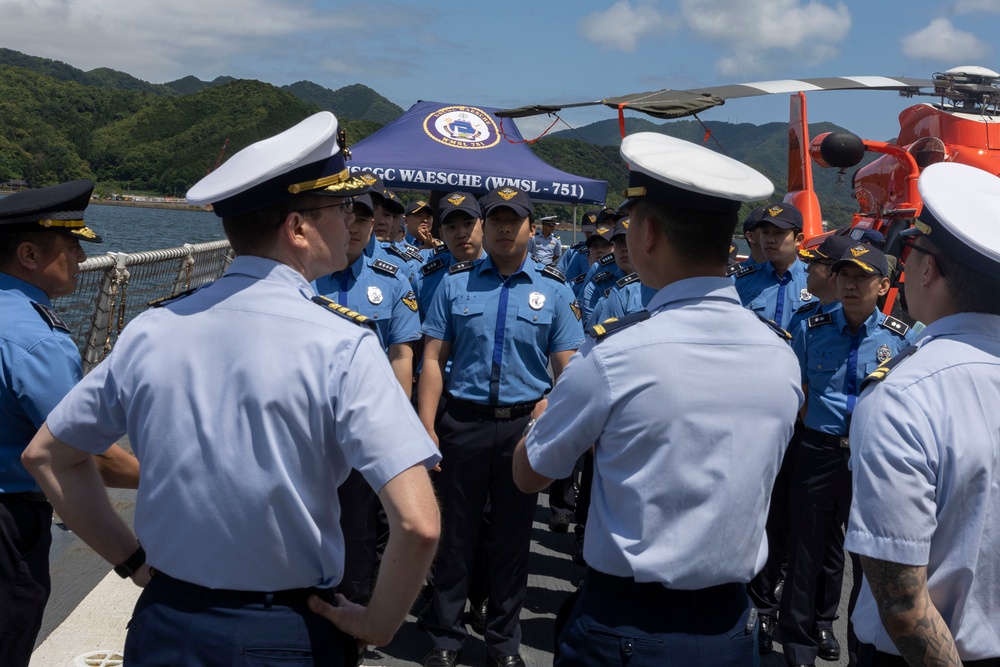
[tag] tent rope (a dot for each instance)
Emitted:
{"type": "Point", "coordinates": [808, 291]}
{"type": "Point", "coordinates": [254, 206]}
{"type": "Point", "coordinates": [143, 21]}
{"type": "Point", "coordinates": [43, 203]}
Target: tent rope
{"type": "Point", "coordinates": [527, 141]}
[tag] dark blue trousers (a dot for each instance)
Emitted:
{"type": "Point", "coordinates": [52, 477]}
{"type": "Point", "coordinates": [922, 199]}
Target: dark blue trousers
{"type": "Point", "coordinates": [171, 626]}
{"type": "Point", "coordinates": [25, 538]}
{"type": "Point", "coordinates": [476, 478]}
{"type": "Point", "coordinates": [606, 629]}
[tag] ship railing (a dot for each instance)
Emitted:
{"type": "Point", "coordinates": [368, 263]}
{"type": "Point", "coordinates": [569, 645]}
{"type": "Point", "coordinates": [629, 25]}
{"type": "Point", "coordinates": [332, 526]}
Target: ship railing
{"type": "Point", "coordinates": [114, 288]}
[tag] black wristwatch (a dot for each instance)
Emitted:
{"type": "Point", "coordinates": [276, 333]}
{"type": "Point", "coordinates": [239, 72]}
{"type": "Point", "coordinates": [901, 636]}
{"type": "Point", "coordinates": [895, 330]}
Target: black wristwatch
{"type": "Point", "coordinates": [131, 564]}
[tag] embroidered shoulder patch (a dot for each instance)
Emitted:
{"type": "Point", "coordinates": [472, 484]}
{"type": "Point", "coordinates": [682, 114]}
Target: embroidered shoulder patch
{"type": "Point", "coordinates": [460, 267]}
{"type": "Point", "coordinates": [383, 266]}
{"type": "Point", "coordinates": [820, 320]}
{"type": "Point", "coordinates": [628, 280]}
{"type": "Point", "coordinates": [895, 325]}
{"type": "Point", "coordinates": [554, 273]}
{"type": "Point", "coordinates": [432, 266]}
{"type": "Point", "coordinates": [410, 301]}
{"type": "Point", "coordinates": [885, 367]}
{"type": "Point", "coordinates": [50, 317]}
{"type": "Point", "coordinates": [344, 312]}
{"type": "Point", "coordinates": [773, 326]}
{"type": "Point", "coordinates": [613, 325]}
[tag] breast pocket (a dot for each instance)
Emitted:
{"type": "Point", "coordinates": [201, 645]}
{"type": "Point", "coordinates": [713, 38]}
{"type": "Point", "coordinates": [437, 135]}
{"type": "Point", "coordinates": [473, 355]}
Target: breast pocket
{"type": "Point", "coordinates": [469, 321]}
{"type": "Point", "coordinates": [533, 326]}
{"type": "Point", "coordinates": [820, 372]}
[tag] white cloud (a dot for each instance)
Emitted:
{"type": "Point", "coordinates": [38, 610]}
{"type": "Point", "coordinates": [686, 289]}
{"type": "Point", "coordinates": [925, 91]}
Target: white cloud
{"type": "Point", "coordinates": [969, 6]}
{"type": "Point", "coordinates": [622, 26]}
{"type": "Point", "coordinates": [942, 41]}
{"type": "Point", "coordinates": [762, 35]}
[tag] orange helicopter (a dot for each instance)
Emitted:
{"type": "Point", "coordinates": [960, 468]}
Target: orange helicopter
{"type": "Point", "coordinates": [962, 126]}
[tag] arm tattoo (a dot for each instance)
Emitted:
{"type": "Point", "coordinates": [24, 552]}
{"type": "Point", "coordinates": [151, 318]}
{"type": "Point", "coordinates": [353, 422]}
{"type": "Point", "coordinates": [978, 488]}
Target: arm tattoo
{"type": "Point", "coordinates": [909, 616]}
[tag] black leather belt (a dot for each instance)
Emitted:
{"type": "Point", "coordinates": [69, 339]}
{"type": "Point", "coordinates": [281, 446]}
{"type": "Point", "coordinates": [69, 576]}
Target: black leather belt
{"type": "Point", "coordinates": [34, 496]}
{"type": "Point", "coordinates": [869, 657]}
{"type": "Point", "coordinates": [222, 596]}
{"type": "Point", "coordinates": [628, 588]}
{"type": "Point", "coordinates": [497, 412]}
{"type": "Point", "coordinates": [820, 438]}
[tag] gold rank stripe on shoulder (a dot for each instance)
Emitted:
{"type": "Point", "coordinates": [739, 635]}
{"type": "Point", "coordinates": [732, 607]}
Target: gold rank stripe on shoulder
{"type": "Point", "coordinates": [459, 267]}
{"type": "Point", "coordinates": [773, 326]}
{"type": "Point", "coordinates": [820, 320]}
{"type": "Point", "coordinates": [555, 273]}
{"type": "Point", "coordinates": [614, 324]}
{"type": "Point", "coordinates": [344, 312]}
{"type": "Point", "coordinates": [886, 366]}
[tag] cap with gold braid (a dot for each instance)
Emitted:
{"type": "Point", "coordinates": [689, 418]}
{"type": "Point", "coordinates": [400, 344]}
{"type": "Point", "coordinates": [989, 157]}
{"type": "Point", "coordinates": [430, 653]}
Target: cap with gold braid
{"type": "Point", "coordinates": [307, 158]}
{"type": "Point", "coordinates": [58, 208]}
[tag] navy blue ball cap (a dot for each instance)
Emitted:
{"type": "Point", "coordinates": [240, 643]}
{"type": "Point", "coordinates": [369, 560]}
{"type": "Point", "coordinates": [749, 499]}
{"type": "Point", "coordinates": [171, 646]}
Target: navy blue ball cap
{"type": "Point", "coordinates": [392, 203]}
{"type": "Point", "coordinates": [782, 216]}
{"type": "Point", "coordinates": [364, 201]}
{"type": "Point", "coordinates": [458, 202]}
{"type": "Point", "coordinates": [58, 208]}
{"type": "Point", "coordinates": [590, 217]}
{"type": "Point", "coordinates": [507, 196]}
{"type": "Point", "coordinates": [961, 214]}
{"type": "Point", "coordinates": [869, 258]}
{"type": "Point", "coordinates": [620, 228]}
{"type": "Point", "coordinates": [376, 188]}
{"type": "Point", "coordinates": [831, 249]}
{"type": "Point", "coordinates": [306, 158]}
{"type": "Point", "coordinates": [752, 221]}
{"type": "Point", "coordinates": [419, 206]}
{"type": "Point", "coordinates": [678, 173]}
{"type": "Point", "coordinates": [603, 231]}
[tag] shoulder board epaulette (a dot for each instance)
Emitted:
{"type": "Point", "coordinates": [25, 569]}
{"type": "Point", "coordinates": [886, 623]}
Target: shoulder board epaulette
{"type": "Point", "coordinates": [608, 291]}
{"type": "Point", "coordinates": [383, 266]}
{"type": "Point", "coordinates": [745, 270]}
{"type": "Point", "coordinates": [578, 245]}
{"type": "Point", "coordinates": [411, 248]}
{"type": "Point", "coordinates": [164, 300]}
{"type": "Point", "coordinates": [628, 280]}
{"type": "Point", "coordinates": [730, 270]}
{"type": "Point", "coordinates": [608, 327]}
{"type": "Point", "coordinates": [50, 317]}
{"type": "Point", "coordinates": [414, 255]}
{"type": "Point", "coordinates": [603, 275]}
{"type": "Point", "coordinates": [579, 279]}
{"type": "Point", "coordinates": [344, 312]}
{"type": "Point", "coordinates": [607, 259]}
{"type": "Point", "coordinates": [896, 326]}
{"type": "Point", "coordinates": [883, 369]}
{"type": "Point", "coordinates": [459, 267]}
{"type": "Point", "coordinates": [440, 249]}
{"type": "Point", "coordinates": [555, 273]}
{"type": "Point", "coordinates": [396, 251]}
{"type": "Point", "coordinates": [773, 326]}
{"type": "Point", "coordinates": [812, 305]}
{"type": "Point", "coordinates": [432, 266]}
{"type": "Point", "coordinates": [820, 320]}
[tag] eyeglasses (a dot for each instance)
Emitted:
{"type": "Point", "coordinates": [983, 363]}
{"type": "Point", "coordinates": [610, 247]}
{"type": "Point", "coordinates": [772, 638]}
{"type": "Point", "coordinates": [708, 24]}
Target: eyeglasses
{"type": "Point", "coordinates": [910, 244]}
{"type": "Point", "coordinates": [346, 207]}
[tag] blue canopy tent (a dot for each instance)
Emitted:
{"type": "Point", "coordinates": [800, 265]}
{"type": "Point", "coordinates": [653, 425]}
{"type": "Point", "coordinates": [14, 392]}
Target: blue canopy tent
{"type": "Point", "coordinates": [446, 147]}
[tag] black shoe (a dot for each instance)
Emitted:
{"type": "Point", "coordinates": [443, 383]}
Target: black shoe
{"type": "Point", "coordinates": [765, 636]}
{"type": "Point", "coordinates": [559, 523]}
{"type": "Point", "coordinates": [441, 657]}
{"type": "Point", "coordinates": [506, 661]}
{"type": "Point", "coordinates": [829, 647]}
{"type": "Point", "coordinates": [477, 616]}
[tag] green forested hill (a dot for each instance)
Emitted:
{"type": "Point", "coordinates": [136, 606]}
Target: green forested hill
{"type": "Point", "coordinates": [355, 101]}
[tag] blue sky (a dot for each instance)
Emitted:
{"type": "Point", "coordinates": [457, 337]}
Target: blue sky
{"type": "Point", "coordinates": [520, 52]}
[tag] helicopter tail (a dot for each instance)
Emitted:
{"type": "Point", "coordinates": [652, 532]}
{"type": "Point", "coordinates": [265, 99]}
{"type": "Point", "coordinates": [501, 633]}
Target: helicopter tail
{"type": "Point", "coordinates": [800, 181]}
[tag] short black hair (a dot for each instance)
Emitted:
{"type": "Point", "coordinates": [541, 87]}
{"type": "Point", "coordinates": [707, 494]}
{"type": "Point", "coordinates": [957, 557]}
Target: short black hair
{"type": "Point", "coordinates": [9, 243]}
{"type": "Point", "coordinates": [255, 233]}
{"type": "Point", "coordinates": [701, 236]}
{"type": "Point", "coordinates": [971, 291]}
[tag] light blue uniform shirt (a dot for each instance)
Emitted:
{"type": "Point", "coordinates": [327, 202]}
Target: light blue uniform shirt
{"type": "Point", "coordinates": [574, 265]}
{"type": "Point", "coordinates": [429, 278]}
{"type": "Point", "coordinates": [406, 258]}
{"type": "Point", "coordinates": [774, 297]}
{"type": "Point", "coordinates": [502, 331]}
{"type": "Point", "coordinates": [39, 364]}
{"type": "Point", "coordinates": [544, 250]}
{"type": "Point", "coordinates": [377, 289]}
{"type": "Point", "coordinates": [684, 464]}
{"type": "Point", "coordinates": [602, 275]}
{"type": "Point", "coordinates": [626, 297]}
{"type": "Point", "coordinates": [834, 363]}
{"type": "Point", "coordinates": [925, 454]}
{"type": "Point", "coordinates": [247, 405]}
